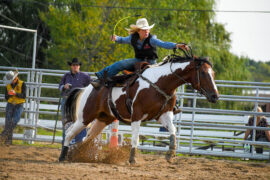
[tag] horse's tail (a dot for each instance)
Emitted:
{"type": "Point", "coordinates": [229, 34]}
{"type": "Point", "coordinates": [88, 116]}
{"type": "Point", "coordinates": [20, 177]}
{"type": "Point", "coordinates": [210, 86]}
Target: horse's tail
{"type": "Point", "coordinates": [70, 105]}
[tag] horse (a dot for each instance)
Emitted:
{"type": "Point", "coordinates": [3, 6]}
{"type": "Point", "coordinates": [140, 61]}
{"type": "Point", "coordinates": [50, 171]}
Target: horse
{"type": "Point", "coordinates": [152, 95]}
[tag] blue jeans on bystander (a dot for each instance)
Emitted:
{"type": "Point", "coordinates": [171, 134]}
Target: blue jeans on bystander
{"type": "Point", "coordinates": [13, 115]}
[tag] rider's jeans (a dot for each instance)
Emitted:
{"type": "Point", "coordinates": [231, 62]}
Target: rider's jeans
{"type": "Point", "coordinates": [126, 64]}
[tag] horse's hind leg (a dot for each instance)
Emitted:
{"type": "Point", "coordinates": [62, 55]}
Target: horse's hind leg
{"type": "Point", "coordinates": [95, 130]}
{"type": "Point", "coordinates": [166, 120]}
{"type": "Point", "coordinates": [72, 131]}
{"type": "Point", "coordinates": [135, 127]}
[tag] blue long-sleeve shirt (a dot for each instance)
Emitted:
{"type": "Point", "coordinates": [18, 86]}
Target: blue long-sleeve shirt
{"type": "Point", "coordinates": [77, 80]}
{"type": "Point", "coordinates": [153, 41]}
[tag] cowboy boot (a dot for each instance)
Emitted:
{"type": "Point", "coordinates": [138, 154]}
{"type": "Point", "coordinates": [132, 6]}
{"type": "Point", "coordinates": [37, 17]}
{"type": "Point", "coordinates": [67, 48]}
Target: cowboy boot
{"type": "Point", "coordinates": [132, 159]}
{"type": "Point", "coordinates": [63, 155]}
{"type": "Point", "coordinates": [96, 83]}
{"type": "Point", "coordinates": [171, 153]}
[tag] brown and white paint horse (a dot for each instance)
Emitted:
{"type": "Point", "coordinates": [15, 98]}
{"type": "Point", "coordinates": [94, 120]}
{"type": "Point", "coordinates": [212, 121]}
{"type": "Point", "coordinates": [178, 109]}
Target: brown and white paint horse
{"type": "Point", "coordinates": [89, 105]}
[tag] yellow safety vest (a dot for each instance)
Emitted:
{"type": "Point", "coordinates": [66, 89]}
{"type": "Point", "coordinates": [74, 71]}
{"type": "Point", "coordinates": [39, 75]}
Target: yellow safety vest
{"type": "Point", "coordinates": [17, 89]}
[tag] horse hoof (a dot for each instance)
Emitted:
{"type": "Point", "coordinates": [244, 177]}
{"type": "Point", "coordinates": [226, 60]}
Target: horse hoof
{"type": "Point", "coordinates": [132, 162]}
{"type": "Point", "coordinates": [62, 159]}
{"type": "Point", "coordinates": [132, 159]}
{"type": "Point", "coordinates": [63, 155]}
{"type": "Point", "coordinates": [170, 156]}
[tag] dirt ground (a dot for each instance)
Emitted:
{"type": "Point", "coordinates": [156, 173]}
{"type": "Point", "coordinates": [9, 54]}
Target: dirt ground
{"type": "Point", "coordinates": [25, 162]}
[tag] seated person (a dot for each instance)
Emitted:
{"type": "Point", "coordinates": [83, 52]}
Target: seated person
{"type": "Point", "coordinates": [260, 135]}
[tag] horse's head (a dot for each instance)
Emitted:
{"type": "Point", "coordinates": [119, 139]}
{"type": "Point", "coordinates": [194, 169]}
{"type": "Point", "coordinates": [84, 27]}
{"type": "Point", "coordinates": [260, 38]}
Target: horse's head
{"type": "Point", "coordinates": [203, 79]}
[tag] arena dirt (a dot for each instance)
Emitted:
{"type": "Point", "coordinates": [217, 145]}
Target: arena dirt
{"type": "Point", "coordinates": [25, 162]}
{"type": "Point", "coordinates": [98, 153]}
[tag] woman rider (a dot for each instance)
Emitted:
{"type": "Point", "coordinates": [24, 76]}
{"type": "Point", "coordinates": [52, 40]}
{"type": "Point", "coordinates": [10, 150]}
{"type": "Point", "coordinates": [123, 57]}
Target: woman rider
{"type": "Point", "coordinates": [144, 45]}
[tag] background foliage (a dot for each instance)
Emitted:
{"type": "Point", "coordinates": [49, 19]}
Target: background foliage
{"type": "Point", "coordinates": [82, 28]}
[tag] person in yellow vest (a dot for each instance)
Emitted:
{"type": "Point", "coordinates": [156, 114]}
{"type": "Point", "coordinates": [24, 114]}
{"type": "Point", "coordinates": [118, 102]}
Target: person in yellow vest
{"type": "Point", "coordinates": [15, 95]}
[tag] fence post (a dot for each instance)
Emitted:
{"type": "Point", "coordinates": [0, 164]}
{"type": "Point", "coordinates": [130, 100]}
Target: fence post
{"type": "Point", "coordinates": [192, 123]}
{"type": "Point", "coordinates": [30, 133]}
{"type": "Point", "coordinates": [180, 116]}
{"type": "Point", "coordinates": [254, 122]}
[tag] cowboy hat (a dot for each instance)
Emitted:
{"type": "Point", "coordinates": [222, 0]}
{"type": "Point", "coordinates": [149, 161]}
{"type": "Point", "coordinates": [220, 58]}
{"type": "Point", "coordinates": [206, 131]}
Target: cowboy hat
{"type": "Point", "coordinates": [10, 76]}
{"type": "Point", "coordinates": [74, 61]}
{"type": "Point", "coordinates": [142, 23]}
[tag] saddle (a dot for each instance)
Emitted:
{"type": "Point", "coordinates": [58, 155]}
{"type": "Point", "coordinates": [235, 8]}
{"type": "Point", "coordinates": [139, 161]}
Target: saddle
{"type": "Point", "coordinates": [128, 77]}
{"type": "Point", "coordinates": [126, 80]}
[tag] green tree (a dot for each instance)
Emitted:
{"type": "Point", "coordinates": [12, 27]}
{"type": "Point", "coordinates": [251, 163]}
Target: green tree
{"type": "Point", "coordinates": [16, 47]}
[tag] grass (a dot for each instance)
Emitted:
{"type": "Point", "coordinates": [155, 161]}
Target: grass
{"type": "Point", "coordinates": [40, 131]}
{"type": "Point", "coordinates": [37, 144]}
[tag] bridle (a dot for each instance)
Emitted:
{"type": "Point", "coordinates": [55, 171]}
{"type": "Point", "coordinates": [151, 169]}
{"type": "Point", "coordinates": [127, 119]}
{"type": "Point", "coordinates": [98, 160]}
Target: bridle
{"type": "Point", "coordinates": [173, 59]}
{"type": "Point", "coordinates": [189, 57]}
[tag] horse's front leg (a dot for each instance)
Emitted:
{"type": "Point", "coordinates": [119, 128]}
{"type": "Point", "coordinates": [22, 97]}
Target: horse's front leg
{"type": "Point", "coordinates": [166, 120]}
{"type": "Point", "coordinates": [135, 127]}
{"type": "Point", "coordinates": [72, 131]}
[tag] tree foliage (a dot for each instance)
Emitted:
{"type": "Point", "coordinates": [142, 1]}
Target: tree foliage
{"type": "Point", "coordinates": [83, 29]}
{"type": "Point", "coordinates": [260, 71]}
{"type": "Point", "coordinates": [16, 47]}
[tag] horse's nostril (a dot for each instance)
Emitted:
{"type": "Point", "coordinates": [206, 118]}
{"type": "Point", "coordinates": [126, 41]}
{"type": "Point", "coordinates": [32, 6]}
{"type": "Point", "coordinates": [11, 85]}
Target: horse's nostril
{"type": "Point", "coordinates": [214, 97]}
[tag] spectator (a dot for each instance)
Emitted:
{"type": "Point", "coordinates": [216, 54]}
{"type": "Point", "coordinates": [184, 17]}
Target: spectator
{"type": "Point", "coordinates": [71, 80]}
{"type": "Point", "coordinates": [15, 95]}
{"type": "Point", "coordinates": [260, 135]}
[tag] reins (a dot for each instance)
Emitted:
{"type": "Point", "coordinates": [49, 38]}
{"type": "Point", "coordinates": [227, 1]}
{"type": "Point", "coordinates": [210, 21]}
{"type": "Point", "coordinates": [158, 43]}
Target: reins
{"type": "Point", "coordinates": [167, 97]}
{"type": "Point", "coordinates": [188, 57]}
{"type": "Point", "coordinates": [174, 58]}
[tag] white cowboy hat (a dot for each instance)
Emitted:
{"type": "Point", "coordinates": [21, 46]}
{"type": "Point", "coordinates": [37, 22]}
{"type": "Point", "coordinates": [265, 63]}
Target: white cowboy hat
{"type": "Point", "coordinates": [142, 23]}
{"type": "Point", "coordinates": [10, 76]}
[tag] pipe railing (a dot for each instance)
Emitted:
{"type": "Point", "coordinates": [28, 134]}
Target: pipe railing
{"type": "Point", "coordinates": [35, 86]}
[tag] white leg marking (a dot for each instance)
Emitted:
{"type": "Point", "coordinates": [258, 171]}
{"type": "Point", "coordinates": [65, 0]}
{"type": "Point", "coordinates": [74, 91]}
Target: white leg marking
{"type": "Point", "coordinates": [210, 72]}
{"type": "Point", "coordinates": [73, 131]}
{"type": "Point", "coordinates": [135, 127]}
{"type": "Point", "coordinates": [166, 120]}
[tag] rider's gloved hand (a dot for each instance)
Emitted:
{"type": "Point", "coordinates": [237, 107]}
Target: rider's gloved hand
{"type": "Point", "coordinates": [113, 38]}
{"type": "Point", "coordinates": [182, 46]}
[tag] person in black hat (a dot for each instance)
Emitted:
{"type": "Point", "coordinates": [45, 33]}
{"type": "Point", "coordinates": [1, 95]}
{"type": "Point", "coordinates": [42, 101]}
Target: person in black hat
{"type": "Point", "coordinates": [71, 80]}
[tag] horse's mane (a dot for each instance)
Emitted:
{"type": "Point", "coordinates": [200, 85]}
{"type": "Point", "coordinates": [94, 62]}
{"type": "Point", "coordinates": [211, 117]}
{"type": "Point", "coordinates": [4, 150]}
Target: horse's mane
{"type": "Point", "coordinates": [180, 59]}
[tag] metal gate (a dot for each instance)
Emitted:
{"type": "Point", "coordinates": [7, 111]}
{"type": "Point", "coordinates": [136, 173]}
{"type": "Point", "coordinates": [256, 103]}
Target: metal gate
{"type": "Point", "coordinates": [202, 128]}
